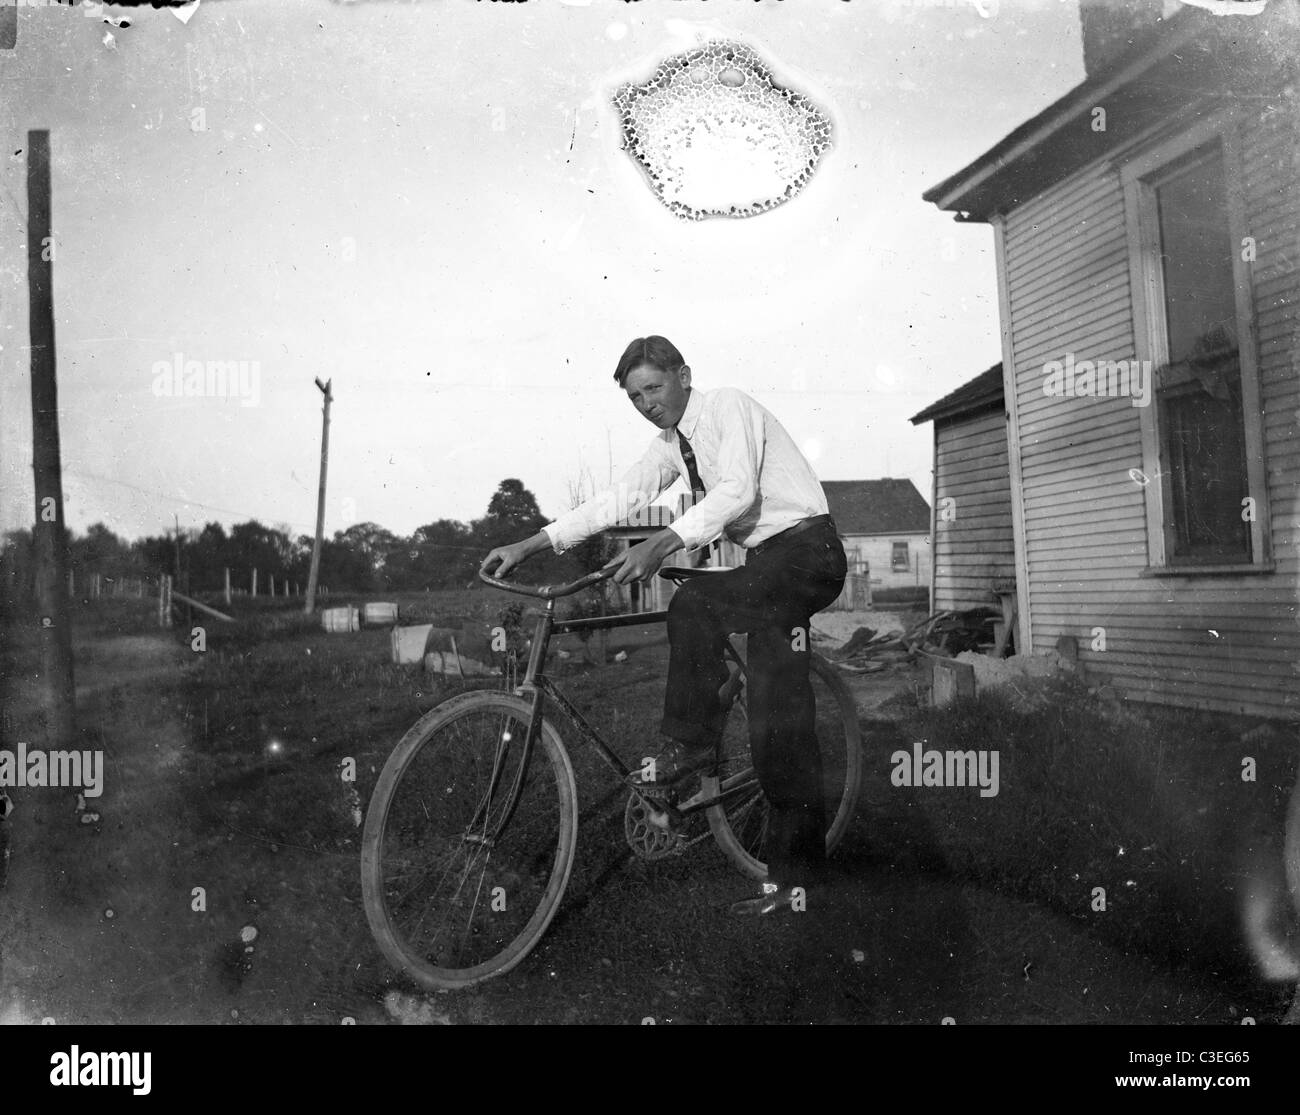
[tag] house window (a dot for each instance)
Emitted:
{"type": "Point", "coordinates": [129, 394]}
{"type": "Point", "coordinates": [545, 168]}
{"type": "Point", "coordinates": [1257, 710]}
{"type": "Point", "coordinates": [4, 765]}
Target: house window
{"type": "Point", "coordinates": [1198, 393]}
{"type": "Point", "coordinates": [899, 561]}
{"type": "Point", "coordinates": [1202, 432]}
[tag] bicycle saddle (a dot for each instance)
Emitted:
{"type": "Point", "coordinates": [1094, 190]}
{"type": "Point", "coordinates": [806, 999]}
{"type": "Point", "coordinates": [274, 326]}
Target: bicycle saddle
{"type": "Point", "coordinates": [682, 573]}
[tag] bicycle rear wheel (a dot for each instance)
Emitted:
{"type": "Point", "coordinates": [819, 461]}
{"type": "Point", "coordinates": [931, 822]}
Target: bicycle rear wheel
{"type": "Point", "coordinates": [450, 900]}
{"type": "Point", "coordinates": [739, 820]}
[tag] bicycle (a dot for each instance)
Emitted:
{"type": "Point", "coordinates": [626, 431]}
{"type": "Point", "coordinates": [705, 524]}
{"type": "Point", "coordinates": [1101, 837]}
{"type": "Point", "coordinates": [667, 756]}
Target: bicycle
{"type": "Point", "coordinates": [470, 836]}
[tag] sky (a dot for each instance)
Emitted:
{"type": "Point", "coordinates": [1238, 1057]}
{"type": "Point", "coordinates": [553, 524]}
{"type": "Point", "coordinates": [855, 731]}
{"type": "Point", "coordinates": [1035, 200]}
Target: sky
{"type": "Point", "coordinates": [425, 202]}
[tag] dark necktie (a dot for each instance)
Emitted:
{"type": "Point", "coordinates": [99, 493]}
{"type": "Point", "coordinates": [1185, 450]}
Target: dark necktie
{"type": "Point", "coordinates": [688, 455]}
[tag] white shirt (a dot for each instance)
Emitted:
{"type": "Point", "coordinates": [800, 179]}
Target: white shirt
{"type": "Point", "coordinates": [756, 481]}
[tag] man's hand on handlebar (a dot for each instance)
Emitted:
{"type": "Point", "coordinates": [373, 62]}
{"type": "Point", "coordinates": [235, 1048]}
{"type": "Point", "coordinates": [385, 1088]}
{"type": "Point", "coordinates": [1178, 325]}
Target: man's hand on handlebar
{"type": "Point", "coordinates": [505, 558]}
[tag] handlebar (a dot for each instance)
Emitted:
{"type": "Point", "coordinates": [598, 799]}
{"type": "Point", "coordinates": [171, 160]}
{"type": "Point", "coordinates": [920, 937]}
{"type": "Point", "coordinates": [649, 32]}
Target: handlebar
{"type": "Point", "coordinates": [550, 592]}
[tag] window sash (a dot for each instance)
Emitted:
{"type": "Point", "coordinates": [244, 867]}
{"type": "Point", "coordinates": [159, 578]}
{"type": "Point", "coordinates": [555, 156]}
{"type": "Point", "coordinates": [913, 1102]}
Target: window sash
{"type": "Point", "coordinates": [1167, 537]}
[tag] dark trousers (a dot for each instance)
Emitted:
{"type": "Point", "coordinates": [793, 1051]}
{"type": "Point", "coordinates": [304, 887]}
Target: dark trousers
{"type": "Point", "coordinates": [771, 599]}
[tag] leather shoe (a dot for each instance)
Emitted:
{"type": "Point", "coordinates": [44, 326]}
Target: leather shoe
{"type": "Point", "coordinates": [672, 765]}
{"type": "Point", "coordinates": [774, 899]}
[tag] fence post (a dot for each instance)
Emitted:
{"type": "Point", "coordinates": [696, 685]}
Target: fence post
{"type": "Point", "coordinates": [227, 584]}
{"type": "Point", "coordinates": [271, 578]}
{"type": "Point", "coordinates": [254, 592]}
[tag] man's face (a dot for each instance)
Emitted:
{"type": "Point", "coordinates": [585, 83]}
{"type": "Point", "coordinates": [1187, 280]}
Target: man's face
{"type": "Point", "coordinates": [659, 396]}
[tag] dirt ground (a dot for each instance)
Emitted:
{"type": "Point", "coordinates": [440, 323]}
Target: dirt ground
{"type": "Point", "coordinates": [102, 922]}
{"type": "Point", "coordinates": [838, 627]}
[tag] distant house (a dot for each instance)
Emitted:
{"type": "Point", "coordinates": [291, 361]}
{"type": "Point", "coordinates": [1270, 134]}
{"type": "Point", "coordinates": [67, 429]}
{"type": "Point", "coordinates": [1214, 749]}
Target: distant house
{"type": "Point", "coordinates": [1147, 254]}
{"type": "Point", "coordinates": [884, 525]}
{"type": "Point", "coordinates": [973, 544]}
{"type": "Point", "coordinates": [885, 528]}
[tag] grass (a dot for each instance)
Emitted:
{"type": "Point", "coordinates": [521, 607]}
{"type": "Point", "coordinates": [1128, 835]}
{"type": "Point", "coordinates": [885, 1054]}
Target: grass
{"type": "Point", "coordinates": [1150, 806]}
{"type": "Point", "coordinates": [225, 773]}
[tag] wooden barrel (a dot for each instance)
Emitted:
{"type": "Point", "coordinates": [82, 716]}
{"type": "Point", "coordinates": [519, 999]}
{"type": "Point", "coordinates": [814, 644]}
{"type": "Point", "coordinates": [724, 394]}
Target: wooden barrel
{"type": "Point", "coordinates": [379, 615]}
{"type": "Point", "coordinates": [340, 619]}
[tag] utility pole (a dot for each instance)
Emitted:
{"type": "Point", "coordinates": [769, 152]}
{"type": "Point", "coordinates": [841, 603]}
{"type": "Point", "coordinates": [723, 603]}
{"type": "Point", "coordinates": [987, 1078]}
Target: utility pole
{"type": "Point", "coordinates": [312, 576]}
{"type": "Point", "coordinates": [57, 690]}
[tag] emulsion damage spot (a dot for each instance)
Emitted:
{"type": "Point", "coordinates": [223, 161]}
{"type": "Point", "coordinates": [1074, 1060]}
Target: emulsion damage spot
{"type": "Point", "coordinates": [717, 136]}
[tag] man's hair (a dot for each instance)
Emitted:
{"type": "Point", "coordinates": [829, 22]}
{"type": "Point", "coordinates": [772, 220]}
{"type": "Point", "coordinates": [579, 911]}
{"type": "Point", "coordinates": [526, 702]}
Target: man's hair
{"type": "Point", "coordinates": [658, 352]}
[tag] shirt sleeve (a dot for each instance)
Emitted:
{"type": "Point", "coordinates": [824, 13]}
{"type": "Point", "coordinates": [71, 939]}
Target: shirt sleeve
{"type": "Point", "coordinates": [739, 464]}
{"type": "Point", "coordinates": [637, 488]}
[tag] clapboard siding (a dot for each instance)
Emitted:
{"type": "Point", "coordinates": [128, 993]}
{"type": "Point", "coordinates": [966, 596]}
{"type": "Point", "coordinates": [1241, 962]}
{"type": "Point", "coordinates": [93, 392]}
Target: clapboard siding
{"type": "Point", "coordinates": [1220, 642]}
{"type": "Point", "coordinates": [977, 547]}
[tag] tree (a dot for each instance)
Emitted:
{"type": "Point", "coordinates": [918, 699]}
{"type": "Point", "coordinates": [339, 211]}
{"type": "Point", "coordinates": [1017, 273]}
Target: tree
{"type": "Point", "coordinates": [513, 515]}
{"type": "Point", "coordinates": [266, 549]}
{"type": "Point", "coordinates": [373, 545]}
{"type": "Point", "coordinates": [514, 504]}
{"type": "Point", "coordinates": [18, 569]}
{"type": "Point", "coordinates": [442, 554]}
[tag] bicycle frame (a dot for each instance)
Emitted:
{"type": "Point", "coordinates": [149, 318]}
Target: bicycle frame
{"type": "Point", "coordinates": [539, 685]}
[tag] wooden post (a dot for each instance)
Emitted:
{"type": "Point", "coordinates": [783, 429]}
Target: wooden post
{"type": "Point", "coordinates": [272, 580]}
{"type": "Point", "coordinates": [201, 606]}
{"type": "Point", "coordinates": [162, 601]}
{"type": "Point", "coordinates": [254, 590]}
{"type": "Point", "coordinates": [227, 585]}
{"type": "Point", "coordinates": [314, 573]}
{"type": "Point", "coordinates": [57, 690]}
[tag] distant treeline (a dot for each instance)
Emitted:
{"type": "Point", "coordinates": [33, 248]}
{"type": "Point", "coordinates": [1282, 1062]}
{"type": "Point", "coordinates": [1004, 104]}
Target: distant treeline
{"type": "Point", "coordinates": [363, 558]}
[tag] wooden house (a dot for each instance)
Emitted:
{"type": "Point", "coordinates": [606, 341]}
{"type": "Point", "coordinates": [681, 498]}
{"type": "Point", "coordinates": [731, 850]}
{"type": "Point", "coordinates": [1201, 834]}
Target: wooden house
{"type": "Point", "coordinates": [1147, 228]}
{"type": "Point", "coordinates": [885, 527]}
{"type": "Point", "coordinates": [973, 545]}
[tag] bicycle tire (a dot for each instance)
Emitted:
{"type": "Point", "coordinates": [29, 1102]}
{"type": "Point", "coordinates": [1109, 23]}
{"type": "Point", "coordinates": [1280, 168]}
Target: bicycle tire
{"type": "Point", "coordinates": [437, 741]}
{"type": "Point", "coordinates": [737, 824]}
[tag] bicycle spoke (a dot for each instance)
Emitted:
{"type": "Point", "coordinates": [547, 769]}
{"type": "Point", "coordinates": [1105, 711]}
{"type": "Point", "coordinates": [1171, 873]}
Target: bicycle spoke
{"type": "Point", "coordinates": [460, 881]}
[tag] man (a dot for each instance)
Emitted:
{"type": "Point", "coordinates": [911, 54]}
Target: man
{"type": "Point", "coordinates": [761, 492]}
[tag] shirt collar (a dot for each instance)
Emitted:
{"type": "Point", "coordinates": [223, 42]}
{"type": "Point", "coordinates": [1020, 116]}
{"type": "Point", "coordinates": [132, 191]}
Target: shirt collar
{"type": "Point", "coordinates": [691, 415]}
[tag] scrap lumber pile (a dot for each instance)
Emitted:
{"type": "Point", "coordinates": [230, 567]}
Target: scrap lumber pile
{"type": "Point", "coordinates": [942, 635]}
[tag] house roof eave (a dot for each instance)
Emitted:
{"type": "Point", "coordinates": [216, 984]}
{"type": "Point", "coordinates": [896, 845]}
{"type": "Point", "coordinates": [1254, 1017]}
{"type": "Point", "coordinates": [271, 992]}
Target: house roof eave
{"type": "Point", "coordinates": [1193, 45]}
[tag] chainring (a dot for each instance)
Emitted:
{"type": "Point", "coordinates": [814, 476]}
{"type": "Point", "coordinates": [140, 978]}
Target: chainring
{"type": "Point", "coordinates": [655, 833]}
{"type": "Point", "coordinates": [649, 829]}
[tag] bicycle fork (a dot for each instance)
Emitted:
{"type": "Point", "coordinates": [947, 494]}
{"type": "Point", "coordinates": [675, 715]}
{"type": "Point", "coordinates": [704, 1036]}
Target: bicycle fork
{"type": "Point", "coordinates": [537, 654]}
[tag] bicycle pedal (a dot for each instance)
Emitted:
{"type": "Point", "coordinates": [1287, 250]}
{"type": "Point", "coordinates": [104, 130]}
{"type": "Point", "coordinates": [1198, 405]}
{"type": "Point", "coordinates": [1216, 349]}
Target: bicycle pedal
{"type": "Point", "coordinates": [698, 798]}
{"type": "Point", "coordinates": [658, 817]}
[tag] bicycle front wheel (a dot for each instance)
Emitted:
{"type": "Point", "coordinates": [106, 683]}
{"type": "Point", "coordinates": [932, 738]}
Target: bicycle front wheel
{"type": "Point", "coordinates": [466, 851]}
{"type": "Point", "coordinates": [739, 820]}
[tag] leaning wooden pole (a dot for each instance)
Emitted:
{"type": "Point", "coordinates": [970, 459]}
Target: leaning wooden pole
{"type": "Point", "coordinates": [56, 681]}
{"type": "Point", "coordinates": [310, 605]}
{"type": "Point", "coordinates": [200, 606]}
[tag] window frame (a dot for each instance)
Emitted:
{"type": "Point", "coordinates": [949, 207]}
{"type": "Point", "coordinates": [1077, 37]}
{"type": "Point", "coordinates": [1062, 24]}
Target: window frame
{"type": "Point", "coordinates": [1140, 176]}
{"type": "Point", "coordinates": [894, 566]}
